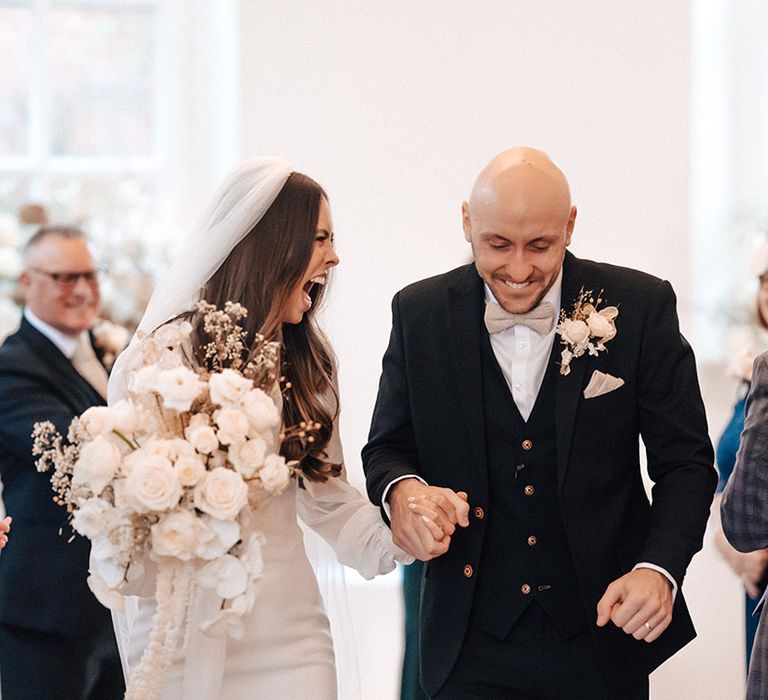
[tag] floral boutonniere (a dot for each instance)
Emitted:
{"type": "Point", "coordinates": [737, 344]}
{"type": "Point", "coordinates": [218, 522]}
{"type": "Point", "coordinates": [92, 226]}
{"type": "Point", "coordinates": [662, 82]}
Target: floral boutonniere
{"type": "Point", "coordinates": [111, 339]}
{"type": "Point", "coordinates": [586, 329]}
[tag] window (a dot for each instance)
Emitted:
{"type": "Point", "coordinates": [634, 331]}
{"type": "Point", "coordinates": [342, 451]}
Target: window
{"type": "Point", "coordinates": [82, 98]}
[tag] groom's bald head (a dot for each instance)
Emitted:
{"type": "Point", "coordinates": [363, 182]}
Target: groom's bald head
{"type": "Point", "coordinates": [519, 219]}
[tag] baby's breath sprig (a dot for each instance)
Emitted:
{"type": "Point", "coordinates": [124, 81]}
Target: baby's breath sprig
{"type": "Point", "coordinates": [51, 452]}
{"type": "Point", "coordinates": [227, 345]}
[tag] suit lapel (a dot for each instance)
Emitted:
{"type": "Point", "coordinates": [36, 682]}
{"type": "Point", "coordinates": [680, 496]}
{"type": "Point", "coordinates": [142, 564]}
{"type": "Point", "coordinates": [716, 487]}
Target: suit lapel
{"type": "Point", "coordinates": [465, 325]}
{"type": "Point", "coordinates": [77, 391]}
{"type": "Point", "coordinates": [569, 387]}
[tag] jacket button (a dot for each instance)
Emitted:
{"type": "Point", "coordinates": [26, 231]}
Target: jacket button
{"type": "Point", "coordinates": [529, 490]}
{"type": "Point", "coordinates": [527, 444]}
{"type": "Point", "coordinates": [532, 540]}
{"type": "Point", "coordinates": [468, 571]}
{"type": "Point", "coordinates": [525, 589]}
{"type": "Point", "coordinates": [479, 513]}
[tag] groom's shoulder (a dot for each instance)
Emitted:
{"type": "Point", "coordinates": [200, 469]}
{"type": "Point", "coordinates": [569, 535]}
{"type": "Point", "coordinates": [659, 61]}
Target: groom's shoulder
{"type": "Point", "coordinates": [616, 277]}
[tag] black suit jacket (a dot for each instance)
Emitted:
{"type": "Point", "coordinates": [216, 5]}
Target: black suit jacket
{"type": "Point", "coordinates": [428, 420]}
{"type": "Point", "coordinates": [42, 573]}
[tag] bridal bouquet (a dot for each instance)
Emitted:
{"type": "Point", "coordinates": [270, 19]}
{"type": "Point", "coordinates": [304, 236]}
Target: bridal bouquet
{"type": "Point", "coordinates": [166, 479]}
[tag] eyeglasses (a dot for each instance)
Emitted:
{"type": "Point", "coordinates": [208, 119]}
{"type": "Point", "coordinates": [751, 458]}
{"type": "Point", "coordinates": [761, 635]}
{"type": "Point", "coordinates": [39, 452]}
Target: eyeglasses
{"type": "Point", "coordinates": [69, 279]}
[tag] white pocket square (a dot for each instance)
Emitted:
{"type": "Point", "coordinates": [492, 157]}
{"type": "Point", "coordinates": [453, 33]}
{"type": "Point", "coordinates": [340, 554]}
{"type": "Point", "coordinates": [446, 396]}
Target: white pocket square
{"type": "Point", "coordinates": [601, 383]}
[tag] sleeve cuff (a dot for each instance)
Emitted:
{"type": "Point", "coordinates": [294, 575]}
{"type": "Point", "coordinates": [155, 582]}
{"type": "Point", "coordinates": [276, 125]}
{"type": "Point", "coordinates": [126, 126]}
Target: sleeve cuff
{"type": "Point", "coordinates": [662, 571]}
{"type": "Point", "coordinates": [384, 502]}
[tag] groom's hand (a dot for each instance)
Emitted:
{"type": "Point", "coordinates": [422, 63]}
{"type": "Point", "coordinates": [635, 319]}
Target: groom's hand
{"type": "Point", "coordinates": [639, 602]}
{"type": "Point", "coordinates": [424, 517]}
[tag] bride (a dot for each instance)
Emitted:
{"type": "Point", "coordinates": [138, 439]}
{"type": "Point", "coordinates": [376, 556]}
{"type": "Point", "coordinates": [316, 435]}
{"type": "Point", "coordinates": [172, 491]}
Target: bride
{"type": "Point", "coordinates": [267, 243]}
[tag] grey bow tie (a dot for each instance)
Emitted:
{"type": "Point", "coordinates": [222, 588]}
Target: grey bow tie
{"type": "Point", "coordinates": [541, 319]}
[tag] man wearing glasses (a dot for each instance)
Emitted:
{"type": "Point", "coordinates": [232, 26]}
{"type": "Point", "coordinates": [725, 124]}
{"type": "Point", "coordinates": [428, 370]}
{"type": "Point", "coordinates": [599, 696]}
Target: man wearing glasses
{"type": "Point", "coordinates": [56, 641]}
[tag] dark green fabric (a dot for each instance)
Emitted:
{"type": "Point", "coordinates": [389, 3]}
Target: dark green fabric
{"type": "Point", "coordinates": [410, 688]}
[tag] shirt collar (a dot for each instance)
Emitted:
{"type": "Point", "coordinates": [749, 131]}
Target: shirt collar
{"type": "Point", "coordinates": [66, 343]}
{"type": "Point", "coordinates": [553, 295]}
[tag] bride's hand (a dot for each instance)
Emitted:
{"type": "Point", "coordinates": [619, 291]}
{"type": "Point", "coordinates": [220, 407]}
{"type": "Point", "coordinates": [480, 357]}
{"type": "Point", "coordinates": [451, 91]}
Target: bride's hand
{"type": "Point", "coordinates": [5, 528]}
{"type": "Point", "coordinates": [427, 510]}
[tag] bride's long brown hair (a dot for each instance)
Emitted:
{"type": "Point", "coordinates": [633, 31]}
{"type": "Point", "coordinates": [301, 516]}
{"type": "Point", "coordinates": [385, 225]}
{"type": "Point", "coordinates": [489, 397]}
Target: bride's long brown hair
{"type": "Point", "coordinates": [260, 273]}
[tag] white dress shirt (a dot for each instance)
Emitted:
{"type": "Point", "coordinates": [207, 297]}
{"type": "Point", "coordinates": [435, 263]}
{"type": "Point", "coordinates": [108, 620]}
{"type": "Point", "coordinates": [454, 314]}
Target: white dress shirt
{"type": "Point", "coordinates": [522, 353]}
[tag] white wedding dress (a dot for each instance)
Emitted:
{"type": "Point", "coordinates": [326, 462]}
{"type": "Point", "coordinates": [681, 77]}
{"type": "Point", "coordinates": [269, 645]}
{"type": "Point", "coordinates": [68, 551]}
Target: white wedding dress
{"type": "Point", "coordinates": [287, 650]}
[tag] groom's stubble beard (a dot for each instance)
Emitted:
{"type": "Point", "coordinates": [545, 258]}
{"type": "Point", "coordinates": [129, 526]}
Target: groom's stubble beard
{"type": "Point", "coordinates": [536, 300]}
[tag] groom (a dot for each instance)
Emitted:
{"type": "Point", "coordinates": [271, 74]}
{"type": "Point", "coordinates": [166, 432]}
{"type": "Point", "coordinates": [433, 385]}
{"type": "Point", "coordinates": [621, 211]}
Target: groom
{"type": "Point", "coordinates": [563, 580]}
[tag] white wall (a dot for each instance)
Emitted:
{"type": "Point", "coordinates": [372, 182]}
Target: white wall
{"type": "Point", "coordinates": [394, 107]}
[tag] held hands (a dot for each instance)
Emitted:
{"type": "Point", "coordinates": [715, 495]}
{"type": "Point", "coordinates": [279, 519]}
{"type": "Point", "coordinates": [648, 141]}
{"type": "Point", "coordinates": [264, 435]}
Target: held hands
{"type": "Point", "coordinates": [425, 517]}
{"type": "Point", "coordinates": [5, 528]}
{"type": "Point", "coordinates": [639, 602]}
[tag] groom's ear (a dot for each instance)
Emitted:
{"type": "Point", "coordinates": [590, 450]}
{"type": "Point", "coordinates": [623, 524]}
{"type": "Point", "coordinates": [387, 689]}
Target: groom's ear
{"type": "Point", "coordinates": [569, 226]}
{"type": "Point", "coordinates": [466, 222]}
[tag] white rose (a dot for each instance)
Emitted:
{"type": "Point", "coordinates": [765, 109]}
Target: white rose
{"type": "Point", "coordinates": [228, 387]}
{"type": "Point", "coordinates": [222, 494]}
{"type": "Point", "coordinates": [261, 410]}
{"type": "Point", "coordinates": [574, 332]}
{"type": "Point", "coordinates": [233, 425]}
{"type": "Point", "coordinates": [176, 534]}
{"type": "Point", "coordinates": [179, 448]}
{"type": "Point", "coordinates": [97, 465]}
{"type": "Point", "coordinates": [226, 574]}
{"type": "Point", "coordinates": [127, 417]}
{"type": "Point", "coordinates": [275, 474]}
{"type": "Point", "coordinates": [178, 387]}
{"type": "Point", "coordinates": [248, 456]}
{"type": "Point", "coordinates": [202, 438]}
{"type": "Point", "coordinates": [154, 484]}
{"type": "Point", "coordinates": [98, 420]}
{"type": "Point", "coordinates": [190, 470]}
{"type": "Point", "coordinates": [600, 326]}
{"type": "Point", "coordinates": [218, 538]}
{"type": "Point", "coordinates": [94, 517]}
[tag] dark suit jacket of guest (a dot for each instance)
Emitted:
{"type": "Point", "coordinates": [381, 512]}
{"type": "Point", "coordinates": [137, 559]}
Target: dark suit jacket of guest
{"type": "Point", "coordinates": [42, 573]}
{"type": "Point", "coordinates": [428, 421]}
{"type": "Point", "coordinates": [744, 508]}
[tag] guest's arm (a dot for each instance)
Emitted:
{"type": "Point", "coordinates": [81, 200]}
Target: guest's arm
{"type": "Point", "coordinates": [744, 508]}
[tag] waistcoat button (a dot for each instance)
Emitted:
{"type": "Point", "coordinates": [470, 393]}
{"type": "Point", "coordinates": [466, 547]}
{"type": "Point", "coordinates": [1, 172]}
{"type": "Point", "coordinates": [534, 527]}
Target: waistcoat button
{"type": "Point", "coordinates": [468, 571]}
{"type": "Point", "coordinates": [532, 540]}
{"type": "Point", "coordinates": [525, 589]}
{"type": "Point", "coordinates": [527, 444]}
{"type": "Point", "coordinates": [529, 490]}
{"type": "Point", "coordinates": [479, 513]}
